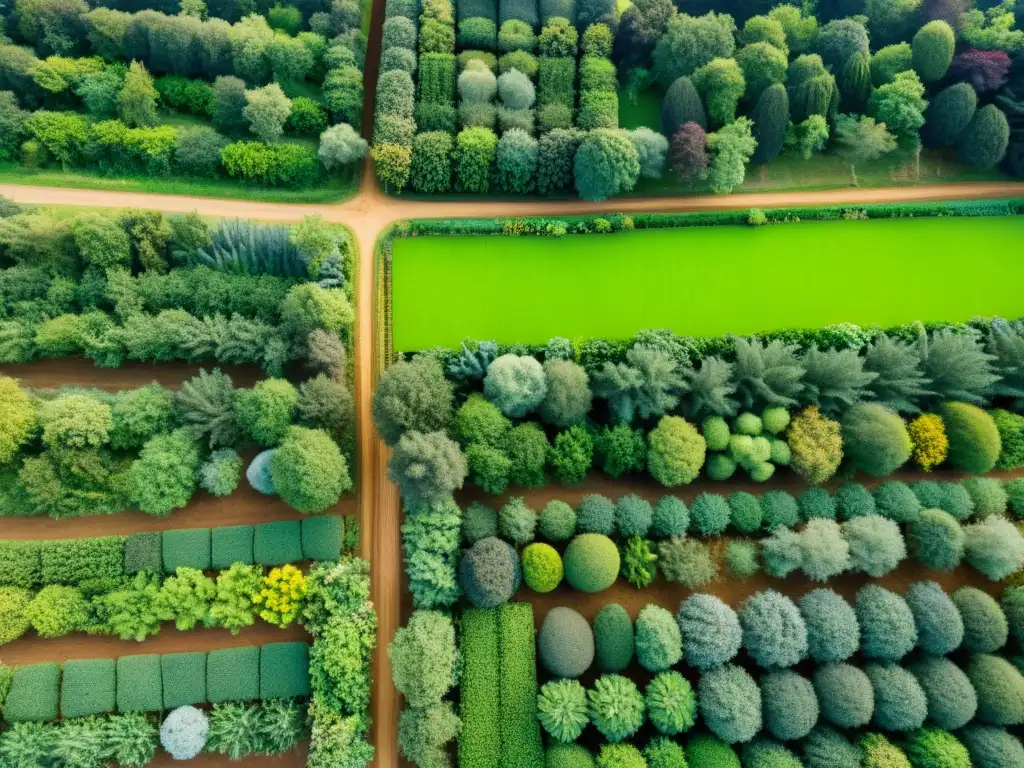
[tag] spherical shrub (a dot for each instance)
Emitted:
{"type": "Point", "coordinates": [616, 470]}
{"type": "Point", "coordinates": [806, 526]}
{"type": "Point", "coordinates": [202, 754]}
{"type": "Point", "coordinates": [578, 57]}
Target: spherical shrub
{"type": "Point", "coordinates": [308, 470]}
{"type": "Point", "coordinates": [183, 732]}
{"type": "Point", "coordinates": [720, 467]}
{"type": "Point", "coordinates": [664, 753]}
{"type": "Point", "coordinates": [517, 523]}
{"type": "Point", "coordinates": [816, 502]}
{"type": "Point", "coordinates": [992, 747]}
{"type": "Point", "coordinates": [780, 510]}
{"type": "Point", "coordinates": [789, 705]}
{"type": "Point", "coordinates": [936, 540]}
{"type": "Point", "coordinates": [826, 747]}
{"type": "Point", "coordinates": [854, 500]}
{"type": "Point", "coordinates": [782, 552]}
{"type": "Point", "coordinates": [987, 494]}
{"type": "Point", "coordinates": [748, 424]}
{"type": "Point", "coordinates": [833, 633]}
{"type": "Point", "coordinates": [952, 702]}
{"type": "Point", "coordinates": [741, 559]}
{"type": "Point", "coordinates": [900, 704]}
{"type": "Point", "coordinates": [516, 384]}
{"type": "Point", "coordinates": [994, 547]}
{"type": "Point", "coordinates": [14, 621]}
{"type": "Point", "coordinates": [730, 703]}
{"type": "Point", "coordinates": [940, 630]}
{"type": "Point", "coordinates": [709, 514]}
{"type": "Point", "coordinates": [258, 473]}
{"type": "Point", "coordinates": [568, 756]}
{"type": "Point", "coordinates": [775, 420]}
{"type": "Point", "coordinates": [478, 522]}
{"type": "Point", "coordinates": [745, 512]}
{"type": "Point", "coordinates": [956, 500]}
{"type": "Point", "coordinates": [616, 707]}
{"type": "Point", "coordinates": [879, 752]}
{"type": "Point", "coordinates": [1012, 603]}
{"type": "Point", "coordinates": [715, 430]}
{"type": "Point", "coordinates": [613, 637]}
{"type": "Point", "coordinates": [887, 629]}
{"type": "Point", "coordinates": [557, 521]}
{"type": "Point", "coordinates": [687, 562]}
{"type": "Point", "coordinates": [779, 453]}
{"type": "Point", "coordinates": [875, 439]}
{"type": "Point", "coordinates": [710, 752]}
{"type": "Point", "coordinates": [935, 748]}
{"type": "Point", "coordinates": [985, 627]}
{"type": "Point", "coordinates": [973, 438]}
{"type": "Point", "coordinates": [845, 695]}
{"type": "Point", "coordinates": [711, 631]}
{"type": "Point", "coordinates": [670, 517]}
{"type": "Point", "coordinates": [896, 501]}
{"type": "Point", "coordinates": [595, 514]}
{"type": "Point", "coordinates": [671, 705]}
{"type": "Point", "coordinates": [765, 753]}
{"type": "Point", "coordinates": [773, 630]}
{"type": "Point", "coordinates": [489, 573]}
{"type": "Point", "coordinates": [562, 709]}
{"type": "Point", "coordinates": [620, 756]}
{"type": "Point", "coordinates": [591, 562]}
{"type": "Point", "coordinates": [565, 643]}
{"type": "Point", "coordinates": [824, 552]}
{"type": "Point", "coordinates": [658, 642]}
{"type": "Point", "coordinates": [542, 567]}
{"type": "Point", "coordinates": [876, 544]}
{"type": "Point", "coordinates": [1000, 689]}
{"type": "Point", "coordinates": [633, 516]}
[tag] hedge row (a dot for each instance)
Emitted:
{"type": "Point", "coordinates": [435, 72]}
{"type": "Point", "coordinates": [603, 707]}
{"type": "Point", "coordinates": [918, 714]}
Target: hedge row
{"type": "Point", "coordinates": [151, 683]}
{"type": "Point", "coordinates": [479, 702]}
{"type": "Point", "coordinates": [517, 688]}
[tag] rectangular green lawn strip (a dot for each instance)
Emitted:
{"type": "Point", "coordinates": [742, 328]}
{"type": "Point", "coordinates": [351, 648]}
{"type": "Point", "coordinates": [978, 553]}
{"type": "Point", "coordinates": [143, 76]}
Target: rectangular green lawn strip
{"type": "Point", "coordinates": [480, 742]}
{"type": "Point", "coordinates": [184, 678]}
{"type": "Point", "coordinates": [233, 674]}
{"type": "Point", "coordinates": [705, 281]}
{"type": "Point", "coordinates": [35, 691]}
{"type": "Point", "coordinates": [87, 688]}
{"type": "Point", "coordinates": [139, 687]}
{"type": "Point", "coordinates": [520, 732]}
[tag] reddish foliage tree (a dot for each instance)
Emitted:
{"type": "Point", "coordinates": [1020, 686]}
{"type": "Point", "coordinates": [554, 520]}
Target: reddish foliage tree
{"type": "Point", "coordinates": [688, 153]}
{"type": "Point", "coordinates": [984, 70]}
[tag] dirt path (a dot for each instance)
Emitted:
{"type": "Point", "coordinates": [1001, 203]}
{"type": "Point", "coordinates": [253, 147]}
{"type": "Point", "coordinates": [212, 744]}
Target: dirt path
{"type": "Point", "coordinates": [77, 371]}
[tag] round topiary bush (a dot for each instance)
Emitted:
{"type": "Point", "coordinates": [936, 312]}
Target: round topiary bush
{"type": "Point", "coordinates": [183, 732]}
{"type": "Point", "coordinates": [775, 420]}
{"type": "Point", "coordinates": [991, 747]}
{"type": "Point", "coordinates": [845, 695]}
{"type": "Point", "coordinates": [562, 709]}
{"type": "Point", "coordinates": [517, 523]}
{"type": "Point", "coordinates": [780, 510]}
{"type": "Point", "coordinates": [900, 704]}
{"type": "Point", "coordinates": [709, 514]}
{"type": "Point", "coordinates": [973, 438]}
{"type": "Point", "coordinates": [887, 629]}
{"type": "Point", "coordinates": [670, 517]}
{"type": "Point", "coordinates": [952, 702]}
{"type": "Point", "coordinates": [988, 496]}
{"type": "Point", "coordinates": [765, 753]}
{"type": "Point", "coordinates": [675, 449]}
{"type": "Point", "coordinates": [720, 467]}
{"type": "Point", "coordinates": [985, 626]}
{"type": "Point", "coordinates": [1000, 690]}
{"type": "Point", "coordinates": [879, 752]}
{"type": "Point", "coordinates": [616, 707]}
{"type": "Point", "coordinates": [876, 544]}
{"type": "Point", "coordinates": [565, 643]}
{"type": "Point", "coordinates": [671, 705]}
{"type": "Point", "coordinates": [854, 500]}
{"type": "Point", "coordinates": [833, 632]}
{"type": "Point", "coordinates": [747, 424]}
{"type": "Point", "coordinates": [710, 752]}
{"type": "Point", "coordinates": [715, 430]}
{"type": "Point", "coordinates": [994, 547]}
{"type": "Point", "coordinates": [664, 753]}
{"type": "Point", "coordinates": [956, 500]}
{"type": "Point", "coordinates": [595, 514]}
{"type": "Point", "coordinates": [633, 516]}
{"type": "Point", "coordinates": [568, 756]}
{"type": "Point", "coordinates": [789, 705]}
{"type": "Point", "coordinates": [659, 644]}
{"type": "Point", "coordinates": [826, 747]}
{"type": "Point", "coordinates": [613, 638]}
{"type": "Point", "coordinates": [773, 630]}
{"type": "Point", "coordinates": [730, 703]}
{"type": "Point", "coordinates": [940, 630]}
{"type": "Point", "coordinates": [557, 521]}
{"type": "Point", "coordinates": [542, 567]}
{"type": "Point", "coordinates": [711, 631]}
{"type": "Point", "coordinates": [620, 756]}
{"type": "Point", "coordinates": [745, 512]}
{"type": "Point", "coordinates": [478, 522]}
{"type": "Point", "coordinates": [816, 502]}
{"type": "Point", "coordinates": [741, 559]}
{"type": "Point", "coordinates": [591, 562]}
{"type": "Point", "coordinates": [489, 573]}
{"type": "Point", "coordinates": [308, 470]}
{"type": "Point", "coordinates": [935, 748]}
{"type": "Point", "coordinates": [875, 439]}
{"type": "Point", "coordinates": [824, 553]}
{"type": "Point", "coordinates": [936, 540]}
{"type": "Point", "coordinates": [896, 501]}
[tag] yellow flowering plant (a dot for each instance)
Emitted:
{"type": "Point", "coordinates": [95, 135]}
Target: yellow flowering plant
{"type": "Point", "coordinates": [280, 596]}
{"type": "Point", "coordinates": [928, 435]}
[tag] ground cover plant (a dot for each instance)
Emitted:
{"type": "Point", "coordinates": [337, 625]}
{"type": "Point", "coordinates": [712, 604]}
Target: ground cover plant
{"type": "Point", "coordinates": [261, 96]}
{"type": "Point", "coordinates": [530, 97]}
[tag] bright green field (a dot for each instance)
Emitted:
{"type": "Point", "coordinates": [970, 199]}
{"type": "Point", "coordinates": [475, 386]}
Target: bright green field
{"type": "Point", "coordinates": [705, 281]}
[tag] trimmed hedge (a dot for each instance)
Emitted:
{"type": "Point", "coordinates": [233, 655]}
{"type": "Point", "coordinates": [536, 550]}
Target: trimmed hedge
{"type": "Point", "coordinates": [88, 687]}
{"type": "Point", "coordinates": [233, 674]}
{"type": "Point", "coordinates": [139, 684]}
{"type": "Point", "coordinates": [277, 543]}
{"type": "Point", "coordinates": [184, 679]}
{"type": "Point", "coordinates": [73, 561]}
{"type": "Point", "coordinates": [231, 544]}
{"type": "Point", "coordinates": [613, 638]}
{"type": "Point", "coordinates": [284, 670]}
{"type": "Point", "coordinates": [189, 547]}
{"type": "Point", "coordinates": [321, 537]}
{"type": "Point", "coordinates": [480, 741]}
{"type": "Point", "coordinates": [144, 552]}
{"type": "Point", "coordinates": [520, 731]}
{"type": "Point", "coordinates": [34, 693]}
{"type": "Point", "coordinates": [20, 564]}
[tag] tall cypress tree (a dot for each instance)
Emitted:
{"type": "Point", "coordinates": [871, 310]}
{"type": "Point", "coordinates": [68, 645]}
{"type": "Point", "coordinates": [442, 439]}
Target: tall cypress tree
{"type": "Point", "coordinates": [771, 116]}
{"type": "Point", "coordinates": [855, 83]}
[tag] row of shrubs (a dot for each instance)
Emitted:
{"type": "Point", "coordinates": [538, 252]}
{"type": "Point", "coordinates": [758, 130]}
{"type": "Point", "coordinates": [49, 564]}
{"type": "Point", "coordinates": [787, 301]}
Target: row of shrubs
{"type": "Point", "coordinates": [151, 448]}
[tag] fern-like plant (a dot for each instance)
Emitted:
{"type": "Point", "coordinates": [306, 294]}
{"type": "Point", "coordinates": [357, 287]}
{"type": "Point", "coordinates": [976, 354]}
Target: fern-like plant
{"type": "Point", "coordinates": [234, 730]}
{"type": "Point", "coordinates": [958, 366]}
{"type": "Point", "coordinates": [647, 385]}
{"type": "Point", "coordinates": [206, 406]}
{"type": "Point", "coordinates": [472, 362]}
{"type": "Point", "coordinates": [1006, 344]}
{"type": "Point", "coordinates": [711, 390]}
{"type": "Point", "coordinates": [242, 247]}
{"type": "Point", "coordinates": [900, 384]}
{"type": "Point", "coordinates": [767, 375]}
{"type": "Point", "coordinates": [562, 709]}
{"type": "Point", "coordinates": [835, 379]}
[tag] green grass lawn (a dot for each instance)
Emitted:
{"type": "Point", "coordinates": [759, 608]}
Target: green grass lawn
{"type": "Point", "coordinates": [645, 113]}
{"type": "Point", "coordinates": [705, 281]}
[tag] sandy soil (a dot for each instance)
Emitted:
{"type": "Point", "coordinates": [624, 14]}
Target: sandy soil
{"type": "Point", "coordinates": [82, 372]}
